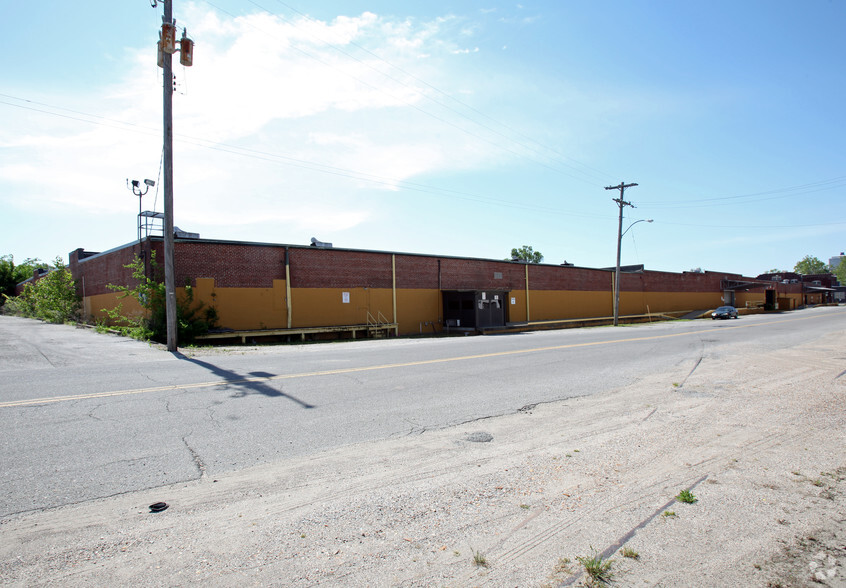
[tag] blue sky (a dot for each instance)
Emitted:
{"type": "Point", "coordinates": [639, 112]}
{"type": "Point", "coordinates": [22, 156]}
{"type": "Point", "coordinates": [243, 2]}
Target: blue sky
{"type": "Point", "coordinates": [453, 128]}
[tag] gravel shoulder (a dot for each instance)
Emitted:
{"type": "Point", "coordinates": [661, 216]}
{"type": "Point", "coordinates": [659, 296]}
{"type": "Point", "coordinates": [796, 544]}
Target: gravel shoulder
{"type": "Point", "coordinates": [759, 442]}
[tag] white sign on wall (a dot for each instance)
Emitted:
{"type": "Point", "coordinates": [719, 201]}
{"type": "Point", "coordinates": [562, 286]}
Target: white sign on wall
{"type": "Point", "coordinates": [346, 297]}
{"type": "Point", "coordinates": [513, 300]}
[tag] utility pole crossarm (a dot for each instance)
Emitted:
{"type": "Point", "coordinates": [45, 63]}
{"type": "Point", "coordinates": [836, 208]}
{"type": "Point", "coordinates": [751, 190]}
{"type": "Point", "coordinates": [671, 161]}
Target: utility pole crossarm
{"type": "Point", "coordinates": [621, 187]}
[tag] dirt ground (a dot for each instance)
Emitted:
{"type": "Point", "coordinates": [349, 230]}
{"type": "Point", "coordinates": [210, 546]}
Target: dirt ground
{"type": "Point", "coordinates": [508, 501]}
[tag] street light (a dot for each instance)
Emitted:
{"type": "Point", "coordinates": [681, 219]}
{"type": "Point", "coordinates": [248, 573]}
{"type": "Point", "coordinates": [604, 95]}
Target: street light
{"type": "Point", "coordinates": [643, 220]}
{"type": "Point", "coordinates": [136, 189]}
{"type": "Point", "coordinates": [617, 272]}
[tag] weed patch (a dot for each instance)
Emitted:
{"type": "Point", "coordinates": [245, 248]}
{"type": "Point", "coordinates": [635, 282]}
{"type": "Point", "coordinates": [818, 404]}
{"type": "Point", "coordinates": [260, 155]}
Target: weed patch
{"type": "Point", "coordinates": [629, 553]}
{"type": "Point", "coordinates": [687, 497]}
{"type": "Point", "coordinates": [597, 568]}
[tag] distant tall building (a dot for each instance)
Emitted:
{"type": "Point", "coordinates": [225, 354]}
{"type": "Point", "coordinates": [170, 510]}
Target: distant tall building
{"type": "Point", "coordinates": [835, 261]}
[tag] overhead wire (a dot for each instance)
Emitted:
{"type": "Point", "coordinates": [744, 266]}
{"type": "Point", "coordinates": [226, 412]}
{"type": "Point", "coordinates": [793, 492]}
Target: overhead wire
{"type": "Point", "coordinates": [392, 182]}
{"type": "Point", "coordinates": [100, 120]}
{"type": "Point", "coordinates": [794, 226]}
{"type": "Point", "coordinates": [442, 93]}
{"type": "Point", "coordinates": [700, 203]}
{"type": "Point", "coordinates": [417, 108]}
{"type": "Point", "coordinates": [285, 159]}
{"type": "Point", "coordinates": [775, 194]}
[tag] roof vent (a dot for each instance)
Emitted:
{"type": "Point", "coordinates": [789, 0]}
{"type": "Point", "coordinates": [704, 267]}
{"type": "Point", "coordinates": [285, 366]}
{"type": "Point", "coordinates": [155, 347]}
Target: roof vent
{"type": "Point", "coordinates": [321, 244]}
{"type": "Point", "coordinates": [180, 234]}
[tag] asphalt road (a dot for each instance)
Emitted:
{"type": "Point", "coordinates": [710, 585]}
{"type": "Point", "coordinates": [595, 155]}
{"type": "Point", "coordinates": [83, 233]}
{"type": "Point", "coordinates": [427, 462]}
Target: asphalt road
{"type": "Point", "coordinates": [86, 416]}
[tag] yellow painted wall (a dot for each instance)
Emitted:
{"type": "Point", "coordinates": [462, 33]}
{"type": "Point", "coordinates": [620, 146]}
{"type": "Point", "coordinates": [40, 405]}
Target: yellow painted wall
{"type": "Point", "coordinates": [749, 299]}
{"type": "Point", "coordinates": [258, 308]}
{"type": "Point", "coordinates": [563, 304]}
{"type": "Point", "coordinates": [814, 298]}
{"type": "Point", "coordinates": [93, 306]}
{"type": "Point", "coordinates": [657, 302]}
{"type": "Point", "coordinates": [419, 306]}
{"type": "Point", "coordinates": [789, 301]}
{"type": "Point", "coordinates": [244, 308]}
{"type": "Point", "coordinates": [545, 305]}
{"type": "Point", "coordinates": [516, 311]}
{"type": "Point", "coordinates": [320, 307]}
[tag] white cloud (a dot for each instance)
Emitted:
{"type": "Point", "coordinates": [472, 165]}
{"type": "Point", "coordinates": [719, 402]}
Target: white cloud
{"type": "Point", "coordinates": [300, 89]}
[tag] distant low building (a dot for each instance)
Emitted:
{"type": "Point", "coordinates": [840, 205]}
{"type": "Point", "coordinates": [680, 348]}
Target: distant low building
{"type": "Point", "coordinates": [816, 288]}
{"type": "Point", "coordinates": [309, 291]}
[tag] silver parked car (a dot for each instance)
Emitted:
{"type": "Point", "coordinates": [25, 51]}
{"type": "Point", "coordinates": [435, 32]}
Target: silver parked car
{"type": "Point", "coordinates": [724, 312]}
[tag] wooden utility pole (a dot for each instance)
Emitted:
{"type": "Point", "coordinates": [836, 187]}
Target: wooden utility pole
{"type": "Point", "coordinates": [167, 47]}
{"type": "Point", "coordinates": [167, 83]}
{"type": "Point", "coordinates": [622, 204]}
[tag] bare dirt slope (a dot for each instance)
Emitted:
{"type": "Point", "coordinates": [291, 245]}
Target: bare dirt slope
{"type": "Point", "coordinates": [508, 501]}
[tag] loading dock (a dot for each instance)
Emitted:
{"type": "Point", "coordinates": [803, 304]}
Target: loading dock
{"type": "Point", "coordinates": [475, 309]}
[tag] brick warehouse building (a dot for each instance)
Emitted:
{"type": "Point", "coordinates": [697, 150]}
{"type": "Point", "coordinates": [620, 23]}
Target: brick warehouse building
{"type": "Point", "coordinates": [305, 289]}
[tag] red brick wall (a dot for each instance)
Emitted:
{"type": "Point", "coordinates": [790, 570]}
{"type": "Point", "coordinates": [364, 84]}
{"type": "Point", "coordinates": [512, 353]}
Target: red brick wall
{"type": "Point", "coordinates": [332, 268]}
{"type": "Point", "coordinates": [568, 278]}
{"type": "Point", "coordinates": [232, 265]}
{"type": "Point", "coordinates": [671, 282]}
{"type": "Point", "coordinates": [479, 274]}
{"type": "Point", "coordinates": [417, 272]}
{"type": "Point", "coordinates": [94, 274]}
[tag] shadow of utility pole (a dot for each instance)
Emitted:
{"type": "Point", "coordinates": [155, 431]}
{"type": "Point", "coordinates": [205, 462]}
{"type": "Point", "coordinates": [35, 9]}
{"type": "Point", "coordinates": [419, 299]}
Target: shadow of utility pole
{"type": "Point", "coordinates": [252, 383]}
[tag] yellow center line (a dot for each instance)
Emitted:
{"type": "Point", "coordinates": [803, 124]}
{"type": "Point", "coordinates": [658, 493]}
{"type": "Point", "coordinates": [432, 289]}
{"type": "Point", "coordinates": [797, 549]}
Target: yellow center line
{"type": "Point", "coordinates": [351, 370]}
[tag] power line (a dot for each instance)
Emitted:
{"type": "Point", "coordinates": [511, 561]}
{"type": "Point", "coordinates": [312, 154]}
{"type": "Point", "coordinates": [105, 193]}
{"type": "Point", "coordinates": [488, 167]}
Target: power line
{"type": "Point", "coordinates": [439, 91]}
{"type": "Point", "coordinates": [287, 160]}
{"type": "Point", "coordinates": [797, 226]}
{"type": "Point", "coordinates": [774, 194]}
{"type": "Point", "coordinates": [280, 159]}
{"type": "Point", "coordinates": [498, 145]}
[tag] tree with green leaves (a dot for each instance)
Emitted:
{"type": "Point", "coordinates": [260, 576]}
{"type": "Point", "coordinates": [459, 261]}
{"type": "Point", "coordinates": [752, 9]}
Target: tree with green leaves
{"type": "Point", "coordinates": [11, 275]}
{"type": "Point", "coordinates": [52, 297]}
{"type": "Point", "coordinates": [810, 265]}
{"type": "Point", "coordinates": [526, 253]}
{"type": "Point", "coordinates": [840, 271]}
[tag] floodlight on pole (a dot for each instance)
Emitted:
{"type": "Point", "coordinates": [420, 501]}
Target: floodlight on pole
{"type": "Point", "coordinates": [136, 189]}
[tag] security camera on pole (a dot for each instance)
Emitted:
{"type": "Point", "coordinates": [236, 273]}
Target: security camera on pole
{"type": "Point", "coordinates": [167, 47]}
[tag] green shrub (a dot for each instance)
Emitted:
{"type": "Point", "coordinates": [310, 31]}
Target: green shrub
{"type": "Point", "coordinates": [192, 319]}
{"type": "Point", "coordinates": [51, 298]}
{"type": "Point", "coordinates": [11, 275]}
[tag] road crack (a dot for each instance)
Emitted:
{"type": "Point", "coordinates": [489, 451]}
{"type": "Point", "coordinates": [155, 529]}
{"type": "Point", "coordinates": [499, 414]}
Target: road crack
{"type": "Point", "coordinates": [195, 457]}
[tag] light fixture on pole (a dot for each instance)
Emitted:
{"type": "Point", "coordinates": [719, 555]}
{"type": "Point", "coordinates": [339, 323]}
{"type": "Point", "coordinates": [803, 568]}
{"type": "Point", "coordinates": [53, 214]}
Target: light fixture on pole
{"type": "Point", "coordinates": [643, 220]}
{"type": "Point", "coordinates": [136, 189]}
{"type": "Point", "coordinates": [617, 278]}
